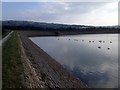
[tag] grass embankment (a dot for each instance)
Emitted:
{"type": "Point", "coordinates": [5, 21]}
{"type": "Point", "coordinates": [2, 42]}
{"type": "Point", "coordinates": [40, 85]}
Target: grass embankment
{"type": "Point", "coordinates": [0, 67]}
{"type": "Point", "coordinates": [11, 64]}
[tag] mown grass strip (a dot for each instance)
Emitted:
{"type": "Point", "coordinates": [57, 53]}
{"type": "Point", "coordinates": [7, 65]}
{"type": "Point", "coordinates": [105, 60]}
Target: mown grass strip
{"type": "Point", "coordinates": [11, 64]}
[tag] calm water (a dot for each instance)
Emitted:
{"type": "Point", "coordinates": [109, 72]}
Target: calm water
{"type": "Point", "coordinates": [91, 58]}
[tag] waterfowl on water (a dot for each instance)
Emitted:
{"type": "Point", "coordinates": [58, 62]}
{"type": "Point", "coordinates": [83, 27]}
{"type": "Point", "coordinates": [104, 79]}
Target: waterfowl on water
{"type": "Point", "coordinates": [89, 41]}
{"type": "Point", "coordinates": [100, 41]}
{"type": "Point", "coordinates": [99, 47]}
{"type": "Point", "coordinates": [75, 40]}
{"type": "Point", "coordinates": [108, 48]}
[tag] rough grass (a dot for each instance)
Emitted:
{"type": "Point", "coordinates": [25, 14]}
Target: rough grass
{"type": "Point", "coordinates": [0, 67]}
{"type": "Point", "coordinates": [11, 64]}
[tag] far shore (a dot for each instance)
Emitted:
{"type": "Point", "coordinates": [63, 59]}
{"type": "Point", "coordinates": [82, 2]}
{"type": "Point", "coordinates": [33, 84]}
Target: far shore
{"type": "Point", "coordinates": [37, 33]}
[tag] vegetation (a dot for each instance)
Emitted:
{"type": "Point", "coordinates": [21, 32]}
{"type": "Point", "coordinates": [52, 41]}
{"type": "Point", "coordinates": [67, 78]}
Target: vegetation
{"type": "Point", "coordinates": [5, 33]}
{"type": "Point", "coordinates": [11, 64]}
{"type": "Point", "coordinates": [27, 25]}
{"type": "Point", "coordinates": [0, 67]}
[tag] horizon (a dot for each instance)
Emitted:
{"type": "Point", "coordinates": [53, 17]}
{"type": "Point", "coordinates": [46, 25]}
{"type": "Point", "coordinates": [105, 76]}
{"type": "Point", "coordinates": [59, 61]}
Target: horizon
{"type": "Point", "coordinates": [70, 13]}
{"type": "Point", "coordinates": [60, 23]}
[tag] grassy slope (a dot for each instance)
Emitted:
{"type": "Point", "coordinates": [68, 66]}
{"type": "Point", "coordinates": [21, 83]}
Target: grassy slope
{"type": "Point", "coordinates": [0, 67]}
{"type": "Point", "coordinates": [11, 64]}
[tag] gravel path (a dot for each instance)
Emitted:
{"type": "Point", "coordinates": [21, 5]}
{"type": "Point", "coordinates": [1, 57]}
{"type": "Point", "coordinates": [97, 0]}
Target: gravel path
{"type": "Point", "coordinates": [5, 38]}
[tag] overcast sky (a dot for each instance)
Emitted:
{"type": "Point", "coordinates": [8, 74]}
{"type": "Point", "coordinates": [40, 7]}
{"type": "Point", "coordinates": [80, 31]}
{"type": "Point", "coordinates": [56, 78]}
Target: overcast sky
{"type": "Point", "coordinates": [82, 13]}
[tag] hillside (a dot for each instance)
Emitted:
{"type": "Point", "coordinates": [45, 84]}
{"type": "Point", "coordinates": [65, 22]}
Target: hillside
{"type": "Point", "coordinates": [29, 25]}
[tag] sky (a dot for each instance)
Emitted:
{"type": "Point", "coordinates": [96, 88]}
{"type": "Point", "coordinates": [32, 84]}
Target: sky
{"type": "Point", "coordinates": [80, 13]}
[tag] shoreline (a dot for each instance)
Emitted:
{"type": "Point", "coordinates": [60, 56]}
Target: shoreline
{"type": "Point", "coordinates": [36, 33]}
{"type": "Point", "coordinates": [44, 71]}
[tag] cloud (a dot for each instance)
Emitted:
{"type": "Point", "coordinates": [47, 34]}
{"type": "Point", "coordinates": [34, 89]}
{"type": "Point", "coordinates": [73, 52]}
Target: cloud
{"type": "Point", "coordinates": [97, 13]}
{"type": "Point", "coordinates": [59, 0]}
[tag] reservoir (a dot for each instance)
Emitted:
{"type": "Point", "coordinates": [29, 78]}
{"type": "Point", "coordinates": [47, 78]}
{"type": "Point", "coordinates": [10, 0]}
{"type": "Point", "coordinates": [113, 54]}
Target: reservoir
{"type": "Point", "coordinates": [92, 58]}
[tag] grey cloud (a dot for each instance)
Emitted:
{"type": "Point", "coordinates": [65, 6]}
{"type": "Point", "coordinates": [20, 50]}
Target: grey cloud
{"type": "Point", "coordinates": [71, 7]}
{"type": "Point", "coordinates": [58, 11]}
{"type": "Point", "coordinates": [61, 12]}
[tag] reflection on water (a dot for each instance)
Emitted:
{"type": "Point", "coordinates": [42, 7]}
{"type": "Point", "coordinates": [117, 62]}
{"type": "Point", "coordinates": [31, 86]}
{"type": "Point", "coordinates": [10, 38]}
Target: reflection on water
{"type": "Point", "coordinates": [91, 58]}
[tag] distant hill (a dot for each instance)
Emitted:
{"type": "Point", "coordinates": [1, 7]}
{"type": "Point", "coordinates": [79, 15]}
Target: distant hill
{"type": "Point", "coordinates": [41, 24]}
{"type": "Point", "coordinates": [29, 25]}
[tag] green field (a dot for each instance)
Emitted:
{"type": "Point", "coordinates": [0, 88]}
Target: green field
{"type": "Point", "coordinates": [11, 64]}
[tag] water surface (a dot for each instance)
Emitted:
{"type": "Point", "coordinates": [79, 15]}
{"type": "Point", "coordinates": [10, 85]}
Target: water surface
{"type": "Point", "coordinates": [91, 58]}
